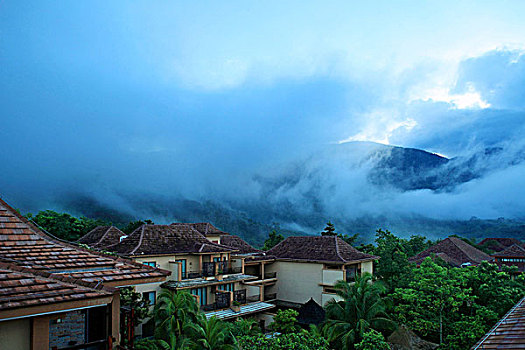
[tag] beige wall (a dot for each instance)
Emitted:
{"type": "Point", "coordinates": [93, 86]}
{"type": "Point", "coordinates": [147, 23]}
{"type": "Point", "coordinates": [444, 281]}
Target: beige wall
{"type": "Point", "coordinates": [15, 334]}
{"type": "Point", "coordinates": [298, 282]}
{"type": "Point", "coordinates": [367, 267]}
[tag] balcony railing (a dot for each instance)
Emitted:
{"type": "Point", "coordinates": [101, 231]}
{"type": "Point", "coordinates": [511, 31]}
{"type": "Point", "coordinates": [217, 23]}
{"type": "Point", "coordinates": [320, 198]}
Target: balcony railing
{"type": "Point", "coordinates": [270, 296]}
{"type": "Point", "coordinates": [268, 275]}
{"type": "Point", "coordinates": [253, 298]}
{"type": "Point", "coordinates": [209, 270]}
{"type": "Point", "coordinates": [240, 296]}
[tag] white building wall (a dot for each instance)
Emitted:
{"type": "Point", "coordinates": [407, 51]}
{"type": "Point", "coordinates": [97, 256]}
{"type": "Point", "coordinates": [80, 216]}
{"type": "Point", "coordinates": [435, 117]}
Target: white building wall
{"type": "Point", "coordinates": [298, 282]}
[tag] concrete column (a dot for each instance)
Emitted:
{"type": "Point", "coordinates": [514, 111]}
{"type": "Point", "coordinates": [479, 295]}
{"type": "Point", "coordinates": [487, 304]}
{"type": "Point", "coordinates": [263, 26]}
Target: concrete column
{"type": "Point", "coordinates": [179, 269]}
{"type": "Point", "coordinates": [262, 270]}
{"type": "Point", "coordinates": [115, 319]}
{"type": "Point", "coordinates": [200, 263]}
{"type": "Point", "coordinates": [261, 293]}
{"type": "Point", "coordinates": [242, 265]}
{"type": "Point", "coordinates": [40, 333]}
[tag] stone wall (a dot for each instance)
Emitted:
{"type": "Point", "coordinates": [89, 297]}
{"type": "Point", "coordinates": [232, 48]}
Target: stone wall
{"type": "Point", "coordinates": [67, 329]}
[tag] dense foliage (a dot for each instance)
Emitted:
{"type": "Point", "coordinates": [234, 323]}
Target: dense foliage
{"type": "Point", "coordinates": [273, 239]}
{"type": "Point", "coordinates": [63, 225]}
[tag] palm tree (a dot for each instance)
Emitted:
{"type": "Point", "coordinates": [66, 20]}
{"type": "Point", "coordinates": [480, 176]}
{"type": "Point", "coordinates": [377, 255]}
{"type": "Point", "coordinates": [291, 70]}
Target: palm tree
{"type": "Point", "coordinates": [244, 326]}
{"type": "Point", "coordinates": [212, 334]}
{"type": "Point", "coordinates": [362, 308]}
{"type": "Point", "coordinates": [174, 313]}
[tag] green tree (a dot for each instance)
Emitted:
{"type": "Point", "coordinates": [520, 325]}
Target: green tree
{"type": "Point", "coordinates": [302, 340]}
{"type": "Point", "coordinates": [133, 225]}
{"type": "Point", "coordinates": [373, 340]}
{"type": "Point", "coordinates": [433, 296]}
{"type": "Point", "coordinates": [285, 321]}
{"type": "Point", "coordinates": [329, 230]}
{"type": "Point", "coordinates": [175, 312]}
{"type": "Point", "coordinates": [133, 300]}
{"type": "Point", "coordinates": [361, 309]}
{"type": "Point", "coordinates": [244, 327]}
{"type": "Point", "coordinates": [151, 344]}
{"type": "Point", "coordinates": [63, 225]}
{"type": "Point", "coordinates": [274, 238]}
{"type": "Point", "coordinates": [212, 334]}
{"type": "Point", "coordinates": [393, 265]}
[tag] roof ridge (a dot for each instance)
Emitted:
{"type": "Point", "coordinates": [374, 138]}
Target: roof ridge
{"type": "Point", "coordinates": [337, 249]}
{"type": "Point", "coordinates": [140, 240]}
{"type": "Point", "coordinates": [104, 235]}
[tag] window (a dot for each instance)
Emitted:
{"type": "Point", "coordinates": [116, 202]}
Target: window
{"type": "Point", "coordinates": [150, 296]}
{"type": "Point", "coordinates": [202, 294]}
{"type": "Point", "coordinates": [150, 263]}
{"type": "Point", "coordinates": [216, 259]}
{"type": "Point", "coordinates": [226, 287]}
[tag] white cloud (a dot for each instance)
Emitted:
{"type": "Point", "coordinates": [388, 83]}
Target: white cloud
{"type": "Point", "coordinates": [469, 100]}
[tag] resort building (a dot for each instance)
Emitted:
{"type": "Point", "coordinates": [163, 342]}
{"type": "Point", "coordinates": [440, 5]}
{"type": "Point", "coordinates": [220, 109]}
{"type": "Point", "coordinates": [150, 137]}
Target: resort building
{"type": "Point", "coordinates": [498, 244]}
{"type": "Point", "coordinates": [197, 265]}
{"type": "Point", "coordinates": [53, 293]}
{"type": "Point", "coordinates": [454, 251]}
{"type": "Point", "coordinates": [308, 267]}
{"type": "Point", "coordinates": [511, 256]}
{"type": "Point", "coordinates": [102, 236]}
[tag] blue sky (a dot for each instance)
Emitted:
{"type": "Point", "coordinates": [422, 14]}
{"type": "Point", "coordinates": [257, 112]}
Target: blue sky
{"type": "Point", "coordinates": [185, 96]}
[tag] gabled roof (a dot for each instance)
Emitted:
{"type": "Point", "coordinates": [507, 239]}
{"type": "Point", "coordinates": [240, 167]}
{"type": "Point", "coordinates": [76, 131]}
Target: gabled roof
{"type": "Point", "coordinates": [311, 313]}
{"type": "Point", "coordinates": [204, 228]}
{"type": "Point", "coordinates": [324, 249]}
{"type": "Point", "coordinates": [453, 250]}
{"type": "Point", "coordinates": [164, 240]}
{"type": "Point", "coordinates": [26, 245]}
{"type": "Point", "coordinates": [499, 244]}
{"type": "Point", "coordinates": [514, 251]}
{"type": "Point", "coordinates": [22, 287]}
{"type": "Point", "coordinates": [237, 243]}
{"type": "Point", "coordinates": [102, 236]}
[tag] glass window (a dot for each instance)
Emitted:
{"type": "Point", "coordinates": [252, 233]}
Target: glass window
{"type": "Point", "coordinates": [226, 287]}
{"type": "Point", "coordinates": [150, 263]}
{"type": "Point", "coordinates": [150, 296]}
{"type": "Point", "coordinates": [202, 294]}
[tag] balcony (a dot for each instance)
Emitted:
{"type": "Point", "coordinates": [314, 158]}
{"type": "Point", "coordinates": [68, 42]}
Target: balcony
{"type": "Point", "coordinates": [210, 269]}
{"type": "Point", "coordinates": [270, 296]}
{"type": "Point", "coordinates": [222, 300]}
{"type": "Point", "coordinates": [269, 275]}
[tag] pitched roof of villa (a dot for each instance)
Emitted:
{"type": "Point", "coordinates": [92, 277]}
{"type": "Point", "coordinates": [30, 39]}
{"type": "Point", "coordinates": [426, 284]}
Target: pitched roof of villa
{"type": "Point", "coordinates": [325, 249]}
{"type": "Point", "coordinates": [164, 240]}
{"type": "Point", "coordinates": [102, 236]}
{"type": "Point", "coordinates": [204, 228]}
{"type": "Point", "coordinates": [25, 244]}
{"type": "Point", "coordinates": [514, 251]}
{"type": "Point", "coordinates": [239, 244]}
{"type": "Point", "coordinates": [508, 333]}
{"type": "Point", "coordinates": [23, 287]}
{"type": "Point", "coordinates": [453, 250]}
{"type": "Point", "coordinates": [499, 244]}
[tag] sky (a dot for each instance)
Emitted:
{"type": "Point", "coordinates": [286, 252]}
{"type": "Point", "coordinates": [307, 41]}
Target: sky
{"type": "Point", "coordinates": [193, 98]}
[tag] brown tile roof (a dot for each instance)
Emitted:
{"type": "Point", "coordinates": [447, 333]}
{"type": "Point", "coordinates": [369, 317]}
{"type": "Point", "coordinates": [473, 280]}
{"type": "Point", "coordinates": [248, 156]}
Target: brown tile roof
{"type": "Point", "coordinates": [514, 251]}
{"type": "Point", "coordinates": [22, 287]}
{"type": "Point", "coordinates": [453, 250]}
{"type": "Point", "coordinates": [102, 236]}
{"type": "Point", "coordinates": [500, 243]}
{"type": "Point", "coordinates": [329, 249]}
{"type": "Point", "coordinates": [24, 243]}
{"type": "Point", "coordinates": [166, 239]}
{"type": "Point", "coordinates": [239, 244]}
{"type": "Point", "coordinates": [508, 333]}
{"type": "Point", "coordinates": [204, 228]}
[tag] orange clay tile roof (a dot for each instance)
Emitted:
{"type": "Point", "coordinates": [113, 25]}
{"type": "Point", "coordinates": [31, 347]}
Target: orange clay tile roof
{"type": "Point", "coordinates": [453, 250]}
{"type": "Point", "coordinates": [22, 287]}
{"type": "Point", "coordinates": [322, 249]}
{"type": "Point", "coordinates": [164, 240]}
{"type": "Point", "coordinates": [102, 236]}
{"type": "Point", "coordinates": [204, 228]}
{"type": "Point", "coordinates": [24, 243]}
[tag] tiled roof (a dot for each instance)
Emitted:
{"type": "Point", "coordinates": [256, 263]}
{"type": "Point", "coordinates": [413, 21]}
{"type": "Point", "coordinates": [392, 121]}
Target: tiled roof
{"type": "Point", "coordinates": [23, 287]}
{"type": "Point", "coordinates": [329, 249]}
{"type": "Point", "coordinates": [166, 239]}
{"type": "Point", "coordinates": [499, 244]}
{"type": "Point", "coordinates": [238, 243]}
{"type": "Point", "coordinates": [514, 251]}
{"type": "Point", "coordinates": [24, 243]}
{"type": "Point", "coordinates": [102, 236]}
{"type": "Point", "coordinates": [453, 250]}
{"type": "Point", "coordinates": [204, 228]}
{"type": "Point", "coordinates": [508, 333]}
